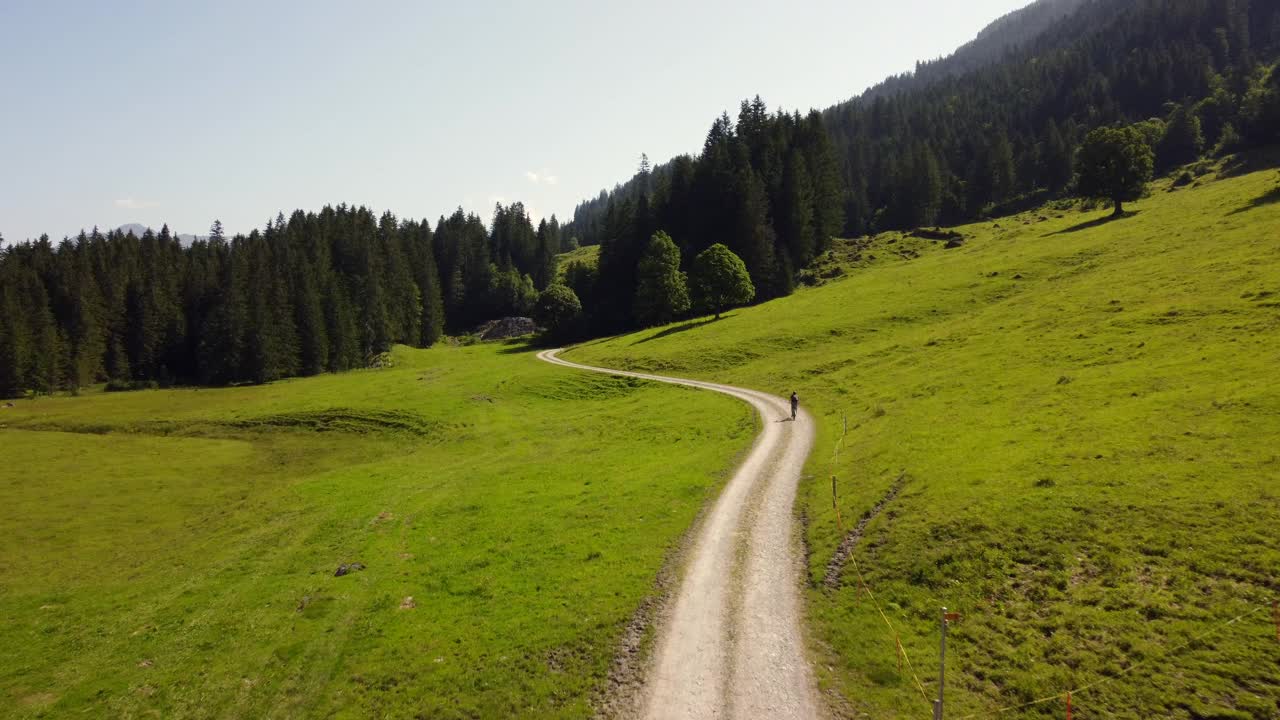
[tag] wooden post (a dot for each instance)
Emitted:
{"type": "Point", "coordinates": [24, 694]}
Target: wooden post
{"type": "Point", "coordinates": [835, 505]}
{"type": "Point", "coordinates": [942, 665]}
{"type": "Point", "coordinates": [1068, 705]}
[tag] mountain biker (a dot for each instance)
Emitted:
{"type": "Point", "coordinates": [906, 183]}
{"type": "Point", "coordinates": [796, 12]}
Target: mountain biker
{"type": "Point", "coordinates": [795, 405]}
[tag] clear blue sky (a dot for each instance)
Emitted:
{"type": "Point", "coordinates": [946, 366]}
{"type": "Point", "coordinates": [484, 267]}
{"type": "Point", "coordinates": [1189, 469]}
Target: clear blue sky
{"type": "Point", "coordinates": [180, 112]}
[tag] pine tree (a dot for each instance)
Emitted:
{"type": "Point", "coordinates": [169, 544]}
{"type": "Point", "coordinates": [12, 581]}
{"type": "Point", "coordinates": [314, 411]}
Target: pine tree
{"type": "Point", "coordinates": [661, 292]}
{"type": "Point", "coordinates": [1055, 159]}
{"type": "Point", "coordinates": [1001, 168]}
{"type": "Point", "coordinates": [313, 335]}
{"type": "Point", "coordinates": [925, 189]}
{"type": "Point", "coordinates": [544, 270]}
{"type": "Point", "coordinates": [340, 326]}
{"type": "Point", "coordinates": [827, 185]}
{"type": "Point", "coordinates": [427, 278]}
{"type": "Point", "coordinates": [1183, 140]}
{"type": "Point", "coordinates": [15, 337]}
{"type": "Point", "coordinates": [45, 362]}
{"type": "Point", "coordinates": [795, 221]}
{"type": "Point", "coordinates": [221, 354]}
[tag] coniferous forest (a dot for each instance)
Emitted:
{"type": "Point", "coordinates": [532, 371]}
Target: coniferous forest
{"type": "Point", "coordinates": [312, 293]}
{"type": "Point", "coordinates": [767, 187]}
{"type": "Point", "coordinates": [994, 127]}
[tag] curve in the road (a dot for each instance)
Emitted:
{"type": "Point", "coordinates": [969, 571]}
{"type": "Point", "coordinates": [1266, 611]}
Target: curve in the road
{"type": "Point", "coordinates": [731, 645]}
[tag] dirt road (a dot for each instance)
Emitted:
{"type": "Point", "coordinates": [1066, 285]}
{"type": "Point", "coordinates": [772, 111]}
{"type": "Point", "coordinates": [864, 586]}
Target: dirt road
{"type": "Point", "coordinates": [730, 645]}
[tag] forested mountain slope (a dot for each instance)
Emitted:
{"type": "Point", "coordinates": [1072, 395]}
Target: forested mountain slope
{"type": "Point", "coordinates": [1003, 35]}
{"type": "Point", "coordinates": [993, 128]}
{"type": "Point", "coordinates": [950, 144]}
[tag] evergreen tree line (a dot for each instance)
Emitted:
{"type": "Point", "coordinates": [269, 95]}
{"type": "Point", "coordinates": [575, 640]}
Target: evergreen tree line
{"type": "Point", "coordinates": [767, 187]}
{"type": "Point", "coordinates": [311, 293]}
{"type": "Point", "coordinates": [998, 123]}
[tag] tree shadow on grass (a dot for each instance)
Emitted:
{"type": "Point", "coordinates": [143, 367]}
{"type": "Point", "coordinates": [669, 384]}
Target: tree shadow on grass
{"type": "Point", "coordinates": [1097, 222]}
{"type": "Point", "coordinates": [1270, 197]}
{"type": "Point", "coordinates": [519, 346]}
{"type": "Point", "coordinates": [681, 328]}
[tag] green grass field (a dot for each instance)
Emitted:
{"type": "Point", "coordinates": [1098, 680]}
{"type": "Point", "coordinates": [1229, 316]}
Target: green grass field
{"type": "Point", "coordinates": [589, 255]}
{"type": "Point", "coordinates": [1086, 419]}
{"type": "Point", "coordinates": [172, 553]}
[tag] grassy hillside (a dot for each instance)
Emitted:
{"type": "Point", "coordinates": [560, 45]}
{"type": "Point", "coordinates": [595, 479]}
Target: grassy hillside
{"type": "Point", "coordinates": [1086, 423]}
{"type": "Point", "coordinates": [173, 553]}
{"type": "Point", "coordinates": [588, 254]}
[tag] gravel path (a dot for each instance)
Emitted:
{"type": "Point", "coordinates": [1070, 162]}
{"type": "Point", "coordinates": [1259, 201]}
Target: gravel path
{"type": "Point", "coordinates": [730, 645]}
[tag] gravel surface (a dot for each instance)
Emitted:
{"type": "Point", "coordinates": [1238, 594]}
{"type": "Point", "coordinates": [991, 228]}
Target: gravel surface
{"type": "Point", "coordinates": [730, 643]}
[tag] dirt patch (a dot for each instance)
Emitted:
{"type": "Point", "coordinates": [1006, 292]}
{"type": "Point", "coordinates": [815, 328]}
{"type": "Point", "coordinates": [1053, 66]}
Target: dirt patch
{"type": "Point", "coordinates": [936, 234]}
{"type": "Point", "coordinates": [835, 568]}
{"type": "Point", "coordinates": [38, 700]}
{"type": "Point", "coordinates": [337, 420]}
{"type": "Point", "coordinates": [342, 420]}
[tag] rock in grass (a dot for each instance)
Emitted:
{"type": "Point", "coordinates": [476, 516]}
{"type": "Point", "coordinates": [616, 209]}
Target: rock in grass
{"type": "Point", "coordinates": [348, 568]}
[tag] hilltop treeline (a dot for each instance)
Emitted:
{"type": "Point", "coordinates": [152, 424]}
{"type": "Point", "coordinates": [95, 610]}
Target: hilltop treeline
{"type": "Point", "coordinates": [1000, 120]}
{"type": "Point", "coordinates": [998, 123]}
{"type": "Point", "coordinates": [310, 293]}
{"type": "Point", "coordinates": [768, 187]}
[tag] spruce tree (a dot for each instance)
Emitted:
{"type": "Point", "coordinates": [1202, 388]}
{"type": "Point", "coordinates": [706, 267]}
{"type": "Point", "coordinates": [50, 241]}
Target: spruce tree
{"type": "Point", "coordinates": [1055, 159]}
{"type": "Point", "coordinates": [925, 189]}
{"type": "Point", "coordinates": [1183, 140]}
{"type": "Point", "coordinates": [15, 337]}
{"type": "Point", "coordinates": [795, 221]}
{"type": "Point", "coordinates": [661, 292]}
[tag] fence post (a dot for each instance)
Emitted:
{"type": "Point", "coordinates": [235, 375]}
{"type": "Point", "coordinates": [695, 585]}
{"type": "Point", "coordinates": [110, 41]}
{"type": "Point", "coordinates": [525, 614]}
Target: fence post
{"type": "Point", "coordinates": [942, 664]}
{"type": "Point", "coordinates": [835, 505]}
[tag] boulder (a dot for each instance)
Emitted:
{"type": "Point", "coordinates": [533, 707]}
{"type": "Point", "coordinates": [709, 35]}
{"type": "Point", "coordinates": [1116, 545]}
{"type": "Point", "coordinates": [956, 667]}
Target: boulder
{"type": "Point", "coordinates": [507, 327]}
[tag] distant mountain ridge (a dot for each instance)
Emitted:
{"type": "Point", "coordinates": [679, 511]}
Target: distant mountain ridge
{"type": "Point", "coordinates": [1002, 35]}
{"type": "Point", "coordinates": [138, 229]}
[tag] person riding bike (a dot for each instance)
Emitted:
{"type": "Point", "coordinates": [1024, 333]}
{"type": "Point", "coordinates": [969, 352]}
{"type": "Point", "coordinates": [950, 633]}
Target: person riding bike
{"type": "Point", "coordinates": [795, 405]}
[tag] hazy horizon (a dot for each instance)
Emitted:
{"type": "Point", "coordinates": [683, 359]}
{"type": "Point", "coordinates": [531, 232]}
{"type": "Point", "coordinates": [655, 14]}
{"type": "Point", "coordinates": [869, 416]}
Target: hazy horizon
{"type": "Point", "coordinates": [146, 113]}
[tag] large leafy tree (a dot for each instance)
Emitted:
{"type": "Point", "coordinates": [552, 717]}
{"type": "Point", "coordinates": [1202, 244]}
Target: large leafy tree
{"type": "Point", "coordinates": [558, 310]}
{"type": "Point", "coordinates": [720, 280]}
{"type": "Point", "coordinates": [1114, 164]}
{"type": "Point", "coordinates": [661, 291]}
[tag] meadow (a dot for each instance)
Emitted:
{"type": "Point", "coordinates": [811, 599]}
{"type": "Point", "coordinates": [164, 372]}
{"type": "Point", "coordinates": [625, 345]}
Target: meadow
{"type": "Point", "coordinates": [173, 553]}
{"type": "Point", "coordinates": [1067, 429]}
